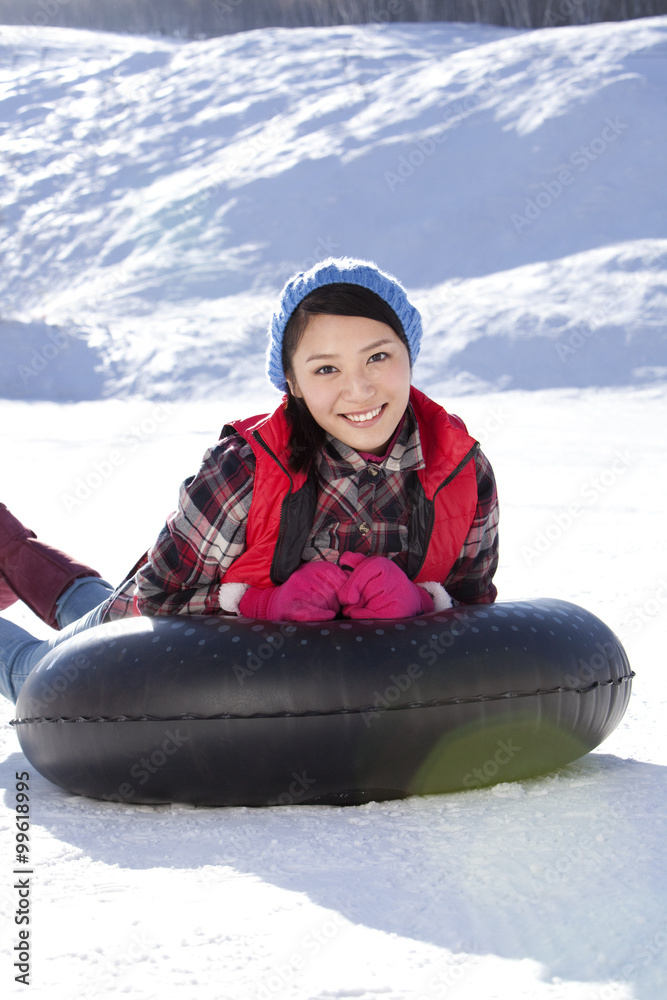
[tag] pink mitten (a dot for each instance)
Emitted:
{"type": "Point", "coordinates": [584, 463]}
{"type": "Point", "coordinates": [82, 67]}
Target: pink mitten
{"type": "Point", "coordinates": [350, 560]}
{"type": "Point", "coordinates": [378, 588]}
{"type": "Point", "coordinates": [309, 595]}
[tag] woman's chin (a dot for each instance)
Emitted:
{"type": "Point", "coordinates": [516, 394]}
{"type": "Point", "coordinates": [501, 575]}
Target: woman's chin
{"type": "Point", "coordinates": [373, 440]}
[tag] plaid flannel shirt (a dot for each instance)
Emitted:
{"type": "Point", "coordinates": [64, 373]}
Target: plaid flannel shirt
{"type": "Point", "coordinates": [363, 506]}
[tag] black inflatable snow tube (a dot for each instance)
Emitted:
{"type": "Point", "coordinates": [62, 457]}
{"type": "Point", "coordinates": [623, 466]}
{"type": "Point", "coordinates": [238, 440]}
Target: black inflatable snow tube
{"type": "Point", "coordinates": [242, 712]}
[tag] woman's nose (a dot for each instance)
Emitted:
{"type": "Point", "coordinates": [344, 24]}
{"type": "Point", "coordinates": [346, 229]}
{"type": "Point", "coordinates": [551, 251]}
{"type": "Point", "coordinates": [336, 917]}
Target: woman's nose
{"type": "Point", "coordinates": [358, 388]}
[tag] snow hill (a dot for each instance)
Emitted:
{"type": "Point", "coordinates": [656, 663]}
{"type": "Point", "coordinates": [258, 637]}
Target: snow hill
{"type": "Point", "coordinates": [158, 193]}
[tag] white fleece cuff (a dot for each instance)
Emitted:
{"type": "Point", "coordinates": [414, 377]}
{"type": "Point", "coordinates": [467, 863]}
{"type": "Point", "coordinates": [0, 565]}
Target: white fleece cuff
{"type": "Point", "coordinates": [441, 598]}
{"type": "Point", "coordinates": [230, 596]}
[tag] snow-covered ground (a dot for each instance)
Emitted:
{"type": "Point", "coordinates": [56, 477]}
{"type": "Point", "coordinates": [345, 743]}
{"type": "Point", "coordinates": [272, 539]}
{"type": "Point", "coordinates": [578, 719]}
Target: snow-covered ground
{"type": "Point", "coordinates": [156, 194]}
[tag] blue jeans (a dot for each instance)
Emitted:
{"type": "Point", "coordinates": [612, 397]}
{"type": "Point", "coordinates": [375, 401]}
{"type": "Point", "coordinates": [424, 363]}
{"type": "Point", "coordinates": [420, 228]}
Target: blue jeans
{"type": "Point", "coordinates": [78, 608]}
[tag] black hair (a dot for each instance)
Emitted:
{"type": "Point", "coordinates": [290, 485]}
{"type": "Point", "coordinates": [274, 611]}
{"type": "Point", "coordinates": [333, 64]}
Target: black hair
{"type": "Point", "coordinates": [339, 299]}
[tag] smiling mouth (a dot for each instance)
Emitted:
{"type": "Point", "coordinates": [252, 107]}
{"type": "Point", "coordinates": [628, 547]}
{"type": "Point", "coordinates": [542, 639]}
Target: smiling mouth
{"type": "Point", "coordinates": [364, 418]}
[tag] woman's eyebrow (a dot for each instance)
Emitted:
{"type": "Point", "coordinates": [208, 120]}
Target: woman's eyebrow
{"type": "Point", "coordinates": [362, 350]}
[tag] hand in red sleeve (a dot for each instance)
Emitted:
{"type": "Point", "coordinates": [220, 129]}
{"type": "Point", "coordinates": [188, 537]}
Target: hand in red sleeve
{"type": "Point", "coordinates": [309, 595]}
{"type": "Point", "coordinates": [378, 588]}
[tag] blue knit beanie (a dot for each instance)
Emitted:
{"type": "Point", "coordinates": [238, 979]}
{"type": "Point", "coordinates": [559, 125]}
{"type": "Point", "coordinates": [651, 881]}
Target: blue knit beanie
{"type": "Point", "coordinates": [334, 270]}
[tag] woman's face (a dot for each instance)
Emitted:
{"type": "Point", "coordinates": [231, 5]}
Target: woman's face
{"type": "Point", "coordinates": [353, 374]}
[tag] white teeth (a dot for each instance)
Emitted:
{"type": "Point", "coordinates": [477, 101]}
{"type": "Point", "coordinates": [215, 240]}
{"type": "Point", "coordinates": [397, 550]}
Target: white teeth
{"type": "Point", "coordinates": [359, 418]}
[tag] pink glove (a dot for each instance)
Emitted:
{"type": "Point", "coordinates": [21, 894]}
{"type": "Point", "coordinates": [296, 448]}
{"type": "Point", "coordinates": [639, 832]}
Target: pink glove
{"type": "Point", "coordinates": [378, 588]}
{"type": "Point", "coordinates": [309, 595]}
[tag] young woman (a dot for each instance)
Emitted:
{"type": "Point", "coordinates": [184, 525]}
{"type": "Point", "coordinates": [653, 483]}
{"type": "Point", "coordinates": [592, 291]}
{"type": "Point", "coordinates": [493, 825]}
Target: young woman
{"type": "Point", "coordinates": [358, 496]}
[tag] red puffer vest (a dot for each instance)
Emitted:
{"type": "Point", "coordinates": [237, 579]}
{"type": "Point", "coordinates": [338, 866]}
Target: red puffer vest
{"type": "Point", "coordinates": [284, 502]}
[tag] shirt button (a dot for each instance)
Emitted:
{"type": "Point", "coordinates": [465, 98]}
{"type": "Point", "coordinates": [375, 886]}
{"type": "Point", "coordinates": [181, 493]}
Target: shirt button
{"type": "Point", "coordinates": [364, 528]}
{"type": "Point", "coordinates": [373, 469]}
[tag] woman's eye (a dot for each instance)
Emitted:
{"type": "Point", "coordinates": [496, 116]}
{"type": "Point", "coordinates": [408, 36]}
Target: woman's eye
{"type": "Point", "coordinates": [325, 370]}
{"type": "Point", "coordinates": [380, 356]}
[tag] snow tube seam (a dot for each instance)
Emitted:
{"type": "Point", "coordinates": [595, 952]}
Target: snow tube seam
{"type": "Point", "coordinates": [439, 703]}
{"type": "Point", "coordinates": [245, 714]}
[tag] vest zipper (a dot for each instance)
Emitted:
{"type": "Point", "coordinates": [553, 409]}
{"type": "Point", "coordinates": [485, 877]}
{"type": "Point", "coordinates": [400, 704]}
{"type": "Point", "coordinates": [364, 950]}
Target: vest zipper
{"type": "Point", "coordinates": [452, 475]}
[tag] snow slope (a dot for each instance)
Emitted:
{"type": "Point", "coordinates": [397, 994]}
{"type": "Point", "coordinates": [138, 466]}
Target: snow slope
{"type": "Point", "coordinates": [156, 195]}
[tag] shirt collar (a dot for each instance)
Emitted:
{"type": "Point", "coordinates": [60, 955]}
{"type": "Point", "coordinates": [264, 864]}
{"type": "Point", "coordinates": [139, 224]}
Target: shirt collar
{"type": "Point", "coordinates": [338, 460]}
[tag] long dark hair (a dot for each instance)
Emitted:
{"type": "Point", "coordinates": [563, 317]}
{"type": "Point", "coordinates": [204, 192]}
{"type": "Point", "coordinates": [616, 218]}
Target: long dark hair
{"type": "Point", "coordinates": [306, 435]}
